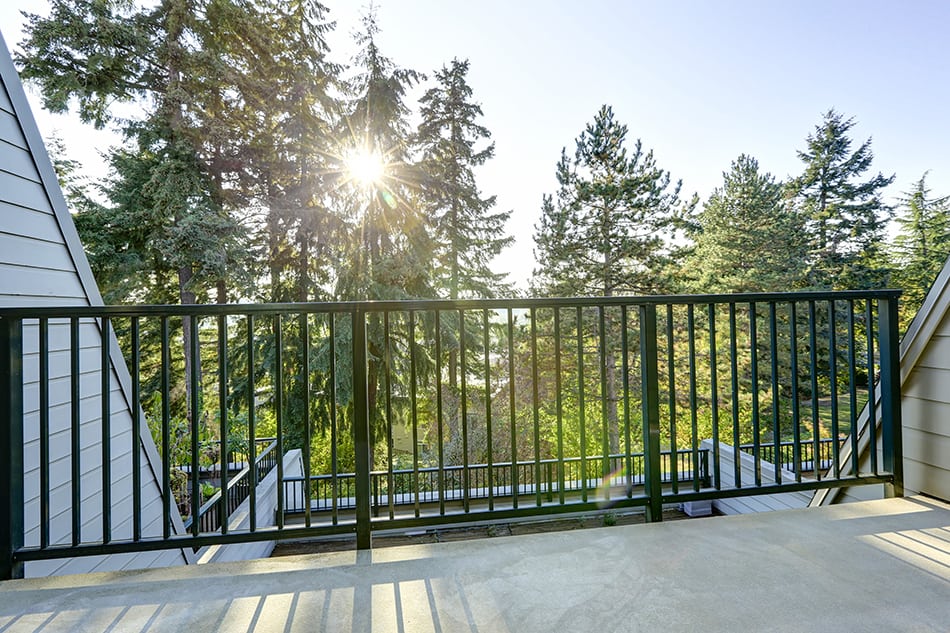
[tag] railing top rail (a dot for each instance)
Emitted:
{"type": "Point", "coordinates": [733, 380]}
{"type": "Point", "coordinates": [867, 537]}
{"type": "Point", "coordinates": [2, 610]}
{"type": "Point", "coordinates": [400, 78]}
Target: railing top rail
{"type": "Point", "coordinates": [437, 304]}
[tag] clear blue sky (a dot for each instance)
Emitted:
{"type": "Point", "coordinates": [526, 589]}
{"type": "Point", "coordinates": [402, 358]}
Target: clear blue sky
{"type": "Point", "coordinates": [699, 82]}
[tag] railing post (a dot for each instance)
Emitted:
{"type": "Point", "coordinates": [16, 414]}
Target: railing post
{"type": "Point", "coordinates": [361, 431]}
{"type": "Point", "coordinates": [651, 413]}
{"type": "Point", "coordinates": [11, 436]}
{"type": "Point", "coordinates": [891, 440]}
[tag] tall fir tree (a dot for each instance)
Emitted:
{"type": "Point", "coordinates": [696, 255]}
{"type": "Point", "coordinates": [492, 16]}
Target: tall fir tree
{"type": "Point", "coordinates": [845, 215]}
{"type": "Point", "coordinates": [467, 233]}
{"type": "Point", "coordinates": [922, 245]}
{"type": "Point", "coordinates": [387, 254]}
{"type": "Point", "coordinates": [604, 233]}
{"type": "Point", "coordinates": [746, 239]}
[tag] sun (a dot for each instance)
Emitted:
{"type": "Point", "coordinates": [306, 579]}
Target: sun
{"type": "Point", "coordinates": [366, 167]}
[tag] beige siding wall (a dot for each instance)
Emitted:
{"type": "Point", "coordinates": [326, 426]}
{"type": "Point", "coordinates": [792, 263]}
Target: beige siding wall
{"type": "Point", "coordinates": [37, 267]}
{"type": "Point", "coordinates": [925, 408]}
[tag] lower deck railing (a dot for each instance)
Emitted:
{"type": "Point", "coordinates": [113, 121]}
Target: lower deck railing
{"type": "Point", "coordinates": [501, 409]}
{"type": "Point", "coordinates": [510, 481]}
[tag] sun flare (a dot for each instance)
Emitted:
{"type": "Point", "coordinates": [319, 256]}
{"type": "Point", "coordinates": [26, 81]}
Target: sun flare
{"type": "Point", "coordinates": [365, 167]}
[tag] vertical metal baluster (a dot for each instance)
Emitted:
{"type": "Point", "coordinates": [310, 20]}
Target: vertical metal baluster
{"type": "Point", "coordinates": [511, 410]}
{"type": "Point", "coordinates": [833, 379]}
{"type": "Point", "coordinates": [388, 376]}
{"type": "Point", "coordinates": [106, 426]}
{"type": "Point", "coordinates": [251, 422]}
{"type": "Point", "coordinates": [136, 433]}
{"type": "Point", "coordinates": [12, 491]}
{"type": "Point", "coordinates": [872, 404]}
{"type": "Point", "coordinates": [693, 423]}
{"type": "Point", "coordinates": [334, 479]}
{"type": "Point", "coordinates": [625, 367]}
{"type": "Point", "coordinates": [671, 387]}
{"type": "Point", "coordinates": [754, 350]}
{"type": "Point", "coordinates": [535, 401]}
{"type": "Point", "coordinates": [714, 394]}
{"type": "Point", "coordinates": [605, 427]}
{"type": "Point", "coordinates": [308, 431]}
{"type": "Point", "coordinates": [796, 420]}
{"type": "Point", "coordinates": [813, 361]}
{"type": "Point", "coordinates": [223, 509]}
{"type": "Point", "coordinates": [580, 402]}
{"type": "Point", "coordinates": [438, 409]}
{"type": "Point", "coordinates": [559, 405]}
{"type": "Point", "coordinates": [891, 436]}
{"type": "Point", "coordinates": [194, 408]}
{"type": "Point", "coordinates": [734, 370]}
{"type": "Point", "coordinates": [853, 389]}
{"type": "Point", "coordinates": [44, 431]}
{"type": "Point", "coordinates": [776, 425]}
{"type": "Point", "coordinates": [463, 397]}
{"type": "Point", "coordinates": [279, 413]}
{"type": "Point", "coordinates": [650, 413]}
{"type": "Point", "coordinates": [166, 430]}
{"type": "Point", "coordinates": [413, 406]}
{"type": "Point", "coordinates": [488, 429]}
{"type": "Point", "coordinates": [361, 429]}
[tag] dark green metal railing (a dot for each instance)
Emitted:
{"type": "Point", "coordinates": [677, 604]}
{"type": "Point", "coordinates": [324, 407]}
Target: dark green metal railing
{"type": "Point", "coordinates": [505, 405]}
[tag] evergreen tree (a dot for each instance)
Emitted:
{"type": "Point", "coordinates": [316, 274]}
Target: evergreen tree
{"type": "Point", "coordinates": [467, 233]}
{"type": "Point", "coordinates": [922, 246]}
{"type": "Point", "coordinates": [387, 255]}
{"type": "Point", "coordinates": [747, 239]}
{"type": "Point", "coordinates": [845, 216]}
{"type": "Point", "coordinates": [604, 233]}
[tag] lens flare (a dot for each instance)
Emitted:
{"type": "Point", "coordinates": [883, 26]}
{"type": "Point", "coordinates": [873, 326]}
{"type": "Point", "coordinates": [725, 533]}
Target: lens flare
{"type": "Point", "coordinates": [366, 167]}
{"type": "Point", "coordinates": [615, 479]}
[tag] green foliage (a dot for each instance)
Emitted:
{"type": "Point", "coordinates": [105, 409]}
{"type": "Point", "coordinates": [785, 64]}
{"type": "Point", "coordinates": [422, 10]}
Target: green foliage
{"type": "Point", "coordinates": [468, 235]}
{"type": "Point", "coordinates": [607, 231]}
{"type": "Point", "coordinates": [921, 247]}
{"type": "Point", "coordinates": [746, 238]}
{"type": "Point", "coordinates": [845, 216]}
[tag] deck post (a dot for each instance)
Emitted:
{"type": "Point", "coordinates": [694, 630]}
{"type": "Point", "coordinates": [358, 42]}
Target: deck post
{"type": "Point", "coordinates": [651, 413]}
{"type": "Point", "coordinates": [361, 432]}
{"type": "Point", "coordinates": [891, 438]}
{"type": "Point", "coordinates": [11, 436]}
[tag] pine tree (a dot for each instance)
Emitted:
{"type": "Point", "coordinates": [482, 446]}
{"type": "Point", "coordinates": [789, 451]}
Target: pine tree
{"type": "Point", "coordinates": [845, 216]}
{"type": "Point", "coordinates": [604, 233]}
{"type": "Point", "coordinates": [467, 233]}
{"type": "Point", "coordinates": [922, 246]}
{"type": "Point", "coordinates": [747, 239]}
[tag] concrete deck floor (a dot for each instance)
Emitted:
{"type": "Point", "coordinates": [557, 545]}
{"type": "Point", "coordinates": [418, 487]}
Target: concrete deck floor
{"type": "Point", "coordinates": [872, 566]}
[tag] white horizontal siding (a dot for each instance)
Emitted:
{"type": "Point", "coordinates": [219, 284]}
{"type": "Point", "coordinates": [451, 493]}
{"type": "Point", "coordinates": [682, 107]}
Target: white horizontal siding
{"type": "Point", "coordinates": [38, 225]}
{"type": "Point", "coordinates": [5, 104]}
{"type": "Point", "coordinates": [22, 283]}
{"type": "Point", "coordinates": [10, 131]}
{"type": "Point", "coordinates": [24, 192]}
{"type": "Point", "coordinates": [25, 251]}
{"type": "Point", "coordinates": [15, 159]}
